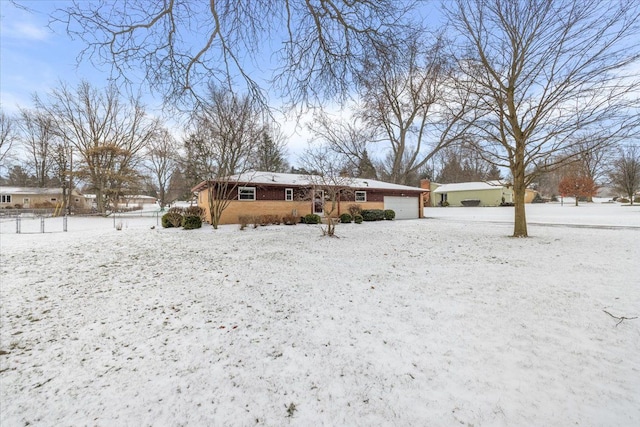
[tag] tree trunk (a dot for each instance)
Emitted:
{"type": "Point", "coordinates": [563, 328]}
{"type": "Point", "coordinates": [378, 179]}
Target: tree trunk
{"type": "Point", "coordinates": [519, 190]}
{"type": "Point", "coordinates": [213, 211]}
{"type": "Point", "coordinates": [520, 219]}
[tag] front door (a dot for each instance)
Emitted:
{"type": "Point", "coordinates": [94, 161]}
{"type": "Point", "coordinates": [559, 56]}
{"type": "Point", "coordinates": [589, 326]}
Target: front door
{"type": "Point", "coordinates": [318, 202]}
{"type": "Point", "coordinates": [25, 203]}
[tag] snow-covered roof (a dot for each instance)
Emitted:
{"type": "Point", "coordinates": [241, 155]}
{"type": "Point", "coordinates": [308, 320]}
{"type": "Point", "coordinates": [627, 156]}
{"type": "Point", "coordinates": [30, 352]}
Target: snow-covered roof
{"type": "Point", "coordinates": [297, 180]}
{"type": "Point", "coordinates": [469, 186]}
{"type": "Point", "coordinates": [30, 190]}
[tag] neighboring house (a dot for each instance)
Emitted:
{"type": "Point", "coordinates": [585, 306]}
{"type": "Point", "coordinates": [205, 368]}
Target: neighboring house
{"type": "Point", "coordinates": [38, 198]}
{"type": "Point", "coordinates": [490, 193]}
{"type": "Point", "coordinates": [259, 193]}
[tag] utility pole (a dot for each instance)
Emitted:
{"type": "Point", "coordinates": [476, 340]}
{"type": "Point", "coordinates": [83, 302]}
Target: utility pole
{"type": "Point", "coordinates": [70, 180]}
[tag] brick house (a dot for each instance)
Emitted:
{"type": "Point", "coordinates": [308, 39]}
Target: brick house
{"type": "Point", "coordinates": [270, 193]}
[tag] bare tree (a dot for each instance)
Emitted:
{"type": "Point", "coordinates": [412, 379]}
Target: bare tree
{"type": "Point", "coordinates": [328, 184]}
{"type": "Point", "coordinates": [349, 139]}
{"type": "Point", "coordinates": [228, 129]}
{"type": "Point", "coordinates": [625, 174]}
{"type": "Point", "coordinates": [181, 44]}
{"type": "Point", "coordinates": [461, 163]}
{"type": "Point", "coordinates": [38, 138]}
{"type": "Point", "coordinates": [162, 159]}
{"type": "Point", "coordinates": [107, 132]}
{"type": "Point", "coordinates": [412, 103]}
{"type": "Point", "coordinates": [8, 136]}
{"type": "Point", "coordinates": [547, 73]}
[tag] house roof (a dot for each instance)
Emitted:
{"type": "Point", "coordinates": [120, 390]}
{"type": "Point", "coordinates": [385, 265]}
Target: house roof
{"type": "Point", "coordinates": [30, 190]}
{"type": "Point", "coordinates": [469, 186]}
{"type": "Point", "coordinates": [297, 180]}
{"type": "Point", "coordinates": [33, 190]}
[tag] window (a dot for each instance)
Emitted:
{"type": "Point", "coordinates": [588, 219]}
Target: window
{"type": "Point", "coordinates": [53, 199]}
{"type": "Point", "coordinates": [6, 198]}
{"type": "Point", "coordinates": [288, 194]}
{"type": "Point", "coordinates": [361, 196]}
{"type": "Point", "coordinates": [246, 193]}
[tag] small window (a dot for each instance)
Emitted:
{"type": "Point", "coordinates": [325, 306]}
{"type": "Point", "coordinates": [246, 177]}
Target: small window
{"type": "Point", "coordinates": [246, 193]}
{"type": "Point", "coordinates": [53, 199]}
{"type": "Point", "coordinates": [6, 198]}
{"type": "Point", "coordinates": [361, 196]}
{"type": "Point", "coordinates": [288, 194]}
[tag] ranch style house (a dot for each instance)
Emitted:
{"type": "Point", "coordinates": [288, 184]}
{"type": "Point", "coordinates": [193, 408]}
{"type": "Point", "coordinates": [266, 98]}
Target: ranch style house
{"type": "Point", "coordinates": [270, 193]}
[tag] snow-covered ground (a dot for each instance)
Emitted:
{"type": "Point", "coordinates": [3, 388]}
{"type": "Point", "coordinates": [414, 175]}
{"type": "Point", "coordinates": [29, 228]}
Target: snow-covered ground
{"type": "Point", "coordinates": [436, 322]}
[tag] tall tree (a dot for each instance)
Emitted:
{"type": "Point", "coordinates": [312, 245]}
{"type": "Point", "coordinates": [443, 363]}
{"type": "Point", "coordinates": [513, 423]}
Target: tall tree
{"type": "Point", "coordinates": [411, 102]}
{"type": "Point", "coordinates": [20, 177]}
{"type": "Point", "coordinates": [162, 159]}
{"type": "Point", "coordinates": [321, 41]}
{"type": "Point", "coordinates": [349, 139]}
{"type": "Point", "coordinates": [625, 173]}
{"type": "Point", "coordinates": [270, 155]}
{"type": "Point", "coordinates": [107, 132]}
{"type": "Point", "coordinates": [227, 131]}
{"type": "Point", "coordinates": [547, 72]}
{"type": "Point", "coordinates": [461, 163]}
{"type": "Point", "coordinates": [8, 136]}
{"type": "Point", "coordinates": [38, 138]}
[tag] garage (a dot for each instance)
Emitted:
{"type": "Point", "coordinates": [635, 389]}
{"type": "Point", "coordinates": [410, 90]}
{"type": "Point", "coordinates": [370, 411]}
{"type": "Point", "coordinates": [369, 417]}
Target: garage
{"type": "Point", "coordinates": [404, 207]}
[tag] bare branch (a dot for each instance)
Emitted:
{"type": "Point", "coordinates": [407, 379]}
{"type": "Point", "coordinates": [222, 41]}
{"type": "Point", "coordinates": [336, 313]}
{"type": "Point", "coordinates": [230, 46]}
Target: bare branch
{"type": "Point", "coordinates": [620, 319]}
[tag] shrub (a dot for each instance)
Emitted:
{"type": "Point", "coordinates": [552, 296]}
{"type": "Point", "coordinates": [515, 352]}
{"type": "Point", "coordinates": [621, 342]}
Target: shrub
{"type": "Point", "coordinates": [355, 210]}
{"type": "Point", "coordinates": [389, 214]}
{"type": "Point", "coordinates": [312, 219]}
{"type": "Point", "coordinates": [357, 219]}
{"type": "Point", "coordinates": [191, 222]}
{"type": "Point", "coordinates": [44, 205]}
{"type": "Point", "coordinates": [269, 219]}
{"type": "Point", "coordinates": [245, 220]}
{"type": "Point", "coordinates": [623, 200]}
{"type": "Point", "coordinates": [345, 218]}
{"type": "Point", "coordinates": [193, 211]}
{"type": "Point", "coordinates": [537, 199]}
{"type": "Point", "coordinates": [290, 219]}
{"type": "Point", "coordinates": [171, 219]}
{"type": "Point", "coordinates": [372, 214]}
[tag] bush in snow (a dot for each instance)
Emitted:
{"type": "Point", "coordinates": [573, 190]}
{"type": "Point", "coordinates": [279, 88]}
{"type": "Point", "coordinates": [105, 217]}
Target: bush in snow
{"type": "Point", "coordinates": [191, 222]}
{"type": "Point", "coordinates": [312, 219]}
{"type": "Point", "coordinates": [357, 219]}
{"type": "Point", "coordinates": [372, 214]}
{"type": "Point", "coordinates": [355, 210]}
{"type": "Point", "coordinates": [290, 219]}
{"type": "Point", "coordinates": [389, 214]}
{"type": "Point", "coordinates": [171, 219]}
{"type": "Point", "coordinates": [345, 218]}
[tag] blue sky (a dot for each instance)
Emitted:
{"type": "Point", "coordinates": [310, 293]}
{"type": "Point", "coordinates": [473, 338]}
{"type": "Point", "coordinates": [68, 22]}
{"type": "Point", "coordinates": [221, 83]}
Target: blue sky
{"type": "Point", "coordinates": [33, 58]}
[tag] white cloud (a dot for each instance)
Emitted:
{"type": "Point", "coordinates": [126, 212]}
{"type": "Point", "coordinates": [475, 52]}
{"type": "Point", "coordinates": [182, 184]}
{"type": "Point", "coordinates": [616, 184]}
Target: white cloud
{"type": "Point", "coordinates": [28, 31]}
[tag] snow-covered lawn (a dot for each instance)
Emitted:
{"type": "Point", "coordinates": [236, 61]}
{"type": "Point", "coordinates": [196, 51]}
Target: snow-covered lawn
{"type": "Point", "coordinates": [437, 322]}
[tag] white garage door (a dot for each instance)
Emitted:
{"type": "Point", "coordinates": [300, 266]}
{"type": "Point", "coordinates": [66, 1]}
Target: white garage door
{"type": "Point", "coordinates": [405, 207]}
